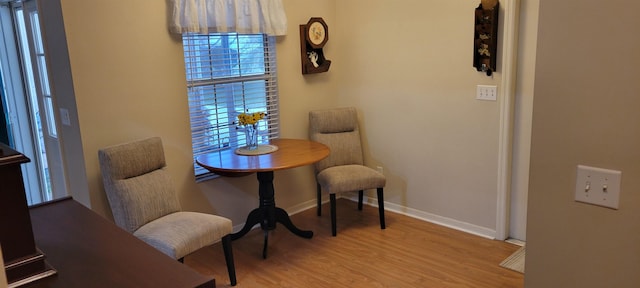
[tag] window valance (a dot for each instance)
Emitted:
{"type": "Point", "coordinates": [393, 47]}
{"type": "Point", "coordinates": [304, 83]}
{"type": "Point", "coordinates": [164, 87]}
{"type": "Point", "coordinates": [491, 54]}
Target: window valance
{"type": "Point", "coordinates": [221, 16]}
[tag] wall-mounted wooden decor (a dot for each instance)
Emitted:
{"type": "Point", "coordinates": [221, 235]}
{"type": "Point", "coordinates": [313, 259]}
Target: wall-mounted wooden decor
{"type": "Point", "coordinates": [313, 36]}
{"type": "Point", "coordinates": [486, 36]}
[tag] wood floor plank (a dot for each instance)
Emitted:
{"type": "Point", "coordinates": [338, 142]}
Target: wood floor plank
{"type": "Point", "coordinates": [409, 253]}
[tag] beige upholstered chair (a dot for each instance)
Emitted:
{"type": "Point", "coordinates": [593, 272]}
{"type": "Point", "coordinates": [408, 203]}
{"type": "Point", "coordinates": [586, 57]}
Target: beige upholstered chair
{"type": "Point", "coordinates": [143, 202]}
{"type": "Point", "coordinates": [343, 170]}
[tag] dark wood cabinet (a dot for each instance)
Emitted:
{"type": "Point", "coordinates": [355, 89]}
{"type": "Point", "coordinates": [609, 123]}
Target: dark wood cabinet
{"type": "Point", "coordinates": [23, 262]}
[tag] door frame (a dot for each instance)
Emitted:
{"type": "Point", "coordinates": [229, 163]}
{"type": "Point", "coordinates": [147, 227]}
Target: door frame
{"type": "Point", "coordinates": [24, 86]}
{"type": "Point", "coordinates": [507, 98]}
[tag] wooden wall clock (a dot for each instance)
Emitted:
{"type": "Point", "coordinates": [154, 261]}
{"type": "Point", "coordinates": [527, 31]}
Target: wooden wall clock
{"type": "Point", "coordinates": [313, 36]}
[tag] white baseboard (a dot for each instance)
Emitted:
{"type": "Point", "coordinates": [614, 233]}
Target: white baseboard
{"type": "Point", "coordinates": [425, 216]}
{"type": "Point", "coordinates": [413, 213]}
{"type": "Point", "coordinates": [515, 241]}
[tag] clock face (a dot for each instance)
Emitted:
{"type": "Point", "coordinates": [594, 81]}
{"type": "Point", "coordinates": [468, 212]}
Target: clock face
{"type": "Point", "coordinates": [317, 33]}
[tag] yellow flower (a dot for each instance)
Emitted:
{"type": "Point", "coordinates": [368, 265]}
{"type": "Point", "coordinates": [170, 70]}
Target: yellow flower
{"type": "Point", "coordinates": [250, 118]}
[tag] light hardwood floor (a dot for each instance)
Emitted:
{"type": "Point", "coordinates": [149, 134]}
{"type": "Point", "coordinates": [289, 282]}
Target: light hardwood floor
{"type": "Point", "coordinates": [409, 253]}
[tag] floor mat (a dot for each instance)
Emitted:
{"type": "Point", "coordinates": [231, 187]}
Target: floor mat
{"type": "Point", "coordinates": [515, 261]}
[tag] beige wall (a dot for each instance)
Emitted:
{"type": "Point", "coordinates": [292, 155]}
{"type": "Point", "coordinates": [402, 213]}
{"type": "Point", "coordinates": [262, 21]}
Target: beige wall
{"type": "Point", "coordinates": [129, 82]}
{"type": "Point", "coordinates": [405, 66]}
{"type": "Point", "coordinates": [585, 112]}
{"type": "Point", "coordinates": [54, 37]}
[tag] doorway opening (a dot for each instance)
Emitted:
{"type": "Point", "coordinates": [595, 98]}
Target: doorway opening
{"type": "Point", "coordinates": [27, 106]}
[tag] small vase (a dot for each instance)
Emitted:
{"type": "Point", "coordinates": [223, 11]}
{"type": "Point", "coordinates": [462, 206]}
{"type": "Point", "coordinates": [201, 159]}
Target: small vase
{"type": "Point", "coordinates": [251, 132]}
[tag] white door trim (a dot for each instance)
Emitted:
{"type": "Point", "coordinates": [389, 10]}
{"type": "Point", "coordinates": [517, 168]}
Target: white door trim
{"type": "Point", "coordinates": [506, 102]}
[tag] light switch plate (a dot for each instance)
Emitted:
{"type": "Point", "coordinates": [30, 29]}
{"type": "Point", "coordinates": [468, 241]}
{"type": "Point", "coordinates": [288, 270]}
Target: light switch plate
{"type": "Point", "coordinates": [487, 92]}
{"type": "Point", "coordinates": [598, 186]}
{"type": "Point", "coordinates": [64, 115]}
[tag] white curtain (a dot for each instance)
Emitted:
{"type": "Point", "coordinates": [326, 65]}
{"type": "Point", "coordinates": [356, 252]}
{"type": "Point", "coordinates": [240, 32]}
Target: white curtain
{"type": "Point", "coordinates": [241, 16]}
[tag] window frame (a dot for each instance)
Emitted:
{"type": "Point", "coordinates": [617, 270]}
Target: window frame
{"type": "Point", "coordinates": [216, 96]}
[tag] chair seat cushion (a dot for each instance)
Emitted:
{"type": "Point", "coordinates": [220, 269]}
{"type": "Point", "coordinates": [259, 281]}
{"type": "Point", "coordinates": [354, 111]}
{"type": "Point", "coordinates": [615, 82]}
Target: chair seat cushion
{"type": "Point", "coordinates": [347, 178]}
{"type": "Point", "coordinates": [181, 233]}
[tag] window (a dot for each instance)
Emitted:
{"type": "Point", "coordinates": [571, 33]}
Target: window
{"type": "Point", "coordinates": [227, 74]}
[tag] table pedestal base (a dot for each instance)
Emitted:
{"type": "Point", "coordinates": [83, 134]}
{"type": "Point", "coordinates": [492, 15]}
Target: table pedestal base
{"type": "Point", "coordinates": [267, 214]}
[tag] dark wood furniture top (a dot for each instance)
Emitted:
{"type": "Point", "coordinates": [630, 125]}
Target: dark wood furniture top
{"type": "Point", "coordinates": [291, 153]}
{"type": "Point", "coordinates": [90, 251]}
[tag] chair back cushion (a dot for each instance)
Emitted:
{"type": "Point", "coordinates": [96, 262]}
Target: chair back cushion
{"type": "Point", "coordinates": [339, 130]}
{"type": "Point", "coordinates": [137, 184]}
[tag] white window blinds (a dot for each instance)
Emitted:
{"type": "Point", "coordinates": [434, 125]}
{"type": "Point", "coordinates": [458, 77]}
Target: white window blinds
{"type": "Point", "coordinates": [227, 74]}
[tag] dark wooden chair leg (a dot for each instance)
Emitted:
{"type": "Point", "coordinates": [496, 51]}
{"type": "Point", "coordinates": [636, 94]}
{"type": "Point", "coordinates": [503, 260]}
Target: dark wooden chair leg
{"type": "Point", "coordinates": [333, 214]}
{"type": "Point", "coordinates": [381, 208]}
{"type": "Point", "coordinates": [319, 205]}
{"type": "Point", "coordinates": [228, 257]}
{"type": "Point", "coordinates": [360, 197]}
